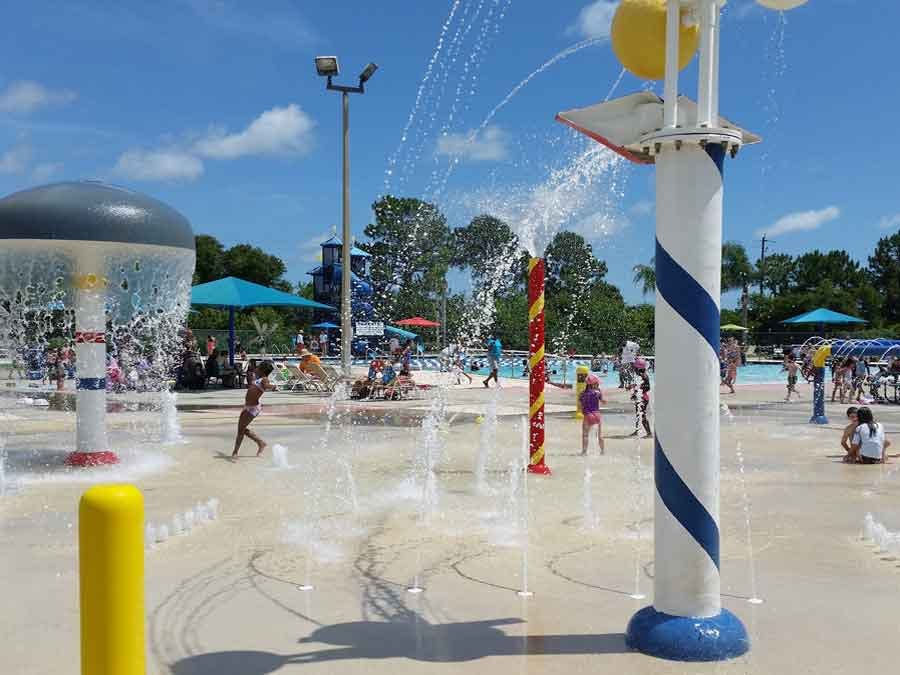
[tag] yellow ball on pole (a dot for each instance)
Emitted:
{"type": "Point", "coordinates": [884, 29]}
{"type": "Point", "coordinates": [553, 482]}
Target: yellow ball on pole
{"type": "Point", "coordinates": [639, 38]}
{"type": "Point", "coordinates": [781, 4]}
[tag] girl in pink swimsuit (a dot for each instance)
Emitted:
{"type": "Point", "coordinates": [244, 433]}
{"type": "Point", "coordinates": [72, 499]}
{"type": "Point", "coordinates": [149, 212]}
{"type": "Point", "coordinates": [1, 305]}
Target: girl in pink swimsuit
{"type": "Point", "coordinates": [591, 398]}
{"type": "Point", "coordinates": [252, 408]}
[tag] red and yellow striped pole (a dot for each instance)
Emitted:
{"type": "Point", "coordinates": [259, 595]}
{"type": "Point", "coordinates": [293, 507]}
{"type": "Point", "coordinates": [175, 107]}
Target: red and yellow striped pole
{"type": "Point", "coordinates": [537, 366]}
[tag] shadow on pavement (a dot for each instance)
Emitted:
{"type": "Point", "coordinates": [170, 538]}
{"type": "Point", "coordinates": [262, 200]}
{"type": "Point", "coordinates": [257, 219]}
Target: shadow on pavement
{"type": "Point", "coordinates": [413, 639]}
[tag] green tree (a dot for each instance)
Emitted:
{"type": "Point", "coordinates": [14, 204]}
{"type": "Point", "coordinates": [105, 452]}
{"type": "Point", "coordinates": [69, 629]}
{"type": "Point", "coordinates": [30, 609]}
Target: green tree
{"type": "Point", "coordinates": [210, 263]}
{"type": "Point", "coordinates": [737, 274]}
{"type": "Point", "coordinates": [571, 265]}
{"type": "Point", "coordinates": [777, 272]}
{"type": "Point", "coordinates": [253, 264]}
{"type": "Point", "coordinates": [410, 247]}
{"type": "Point", "coordinates": [645, 277]}
{"type": "Point", "coordinates": [483, 245]}
{"type": "Point", "coordinates": [814, 268]}
{"type": "Point", "coordinates": [884, 266]}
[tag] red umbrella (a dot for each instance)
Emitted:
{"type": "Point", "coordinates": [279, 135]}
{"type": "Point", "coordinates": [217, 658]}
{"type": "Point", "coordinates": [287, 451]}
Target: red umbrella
{"type": "Point", "coordinates": [418, 321]}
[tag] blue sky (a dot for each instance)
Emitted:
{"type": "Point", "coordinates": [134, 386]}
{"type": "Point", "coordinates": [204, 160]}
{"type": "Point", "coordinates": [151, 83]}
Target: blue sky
{"type": "Point", "coordinates": [214, 106]}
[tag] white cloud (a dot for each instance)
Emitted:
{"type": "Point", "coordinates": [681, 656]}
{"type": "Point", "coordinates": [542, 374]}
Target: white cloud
{"type": "Point", "coordinates": [800, 221]}
{"type": "Point", "coordinates": [486, 146]}
{"type": "Point", "coordinates": [889, 222]}
{"type": "Point", "coordinates": [165, 165]}
{"type": "Point", "coordinates": [594, 21]}
{"type": "Point", "coordinates": [642, 208]}
{"type": "Point", "coordinates": [43, 172]}
{"type": "Point", "coordinates": [310, 251]}
{"type": "Point", "coordinates": [15, 160]}
{"type": "Point", "coordinates": [26, 96]}
{"type": "Point", "coordinates": [279, 131]}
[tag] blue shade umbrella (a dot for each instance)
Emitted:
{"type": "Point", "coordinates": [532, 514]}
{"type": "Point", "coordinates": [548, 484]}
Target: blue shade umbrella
{"type": "Point", "coordinates": [233, 293]}
{"type": "Point", "coordinates": [327, 325]}
{"type": "Point", "coordinates": [822, 316]}
{"type": "Point", "coordinates": [399, 332]}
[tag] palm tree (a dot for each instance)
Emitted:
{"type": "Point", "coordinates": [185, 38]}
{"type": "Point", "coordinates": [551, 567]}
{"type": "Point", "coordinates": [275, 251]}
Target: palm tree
{"type": "Point", "coordinates": [737, 273]}
{"type": "Point", "coordinates": [645, 276]}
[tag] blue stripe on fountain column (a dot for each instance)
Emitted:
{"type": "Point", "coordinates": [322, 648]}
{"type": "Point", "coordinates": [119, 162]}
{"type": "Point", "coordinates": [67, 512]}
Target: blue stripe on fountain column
{"type": "Point", "coordinates": [684, 506]}
{"type": "Point", "coordinates": [90, 383]}
{"type": "Point", "coordinates": [691, 301]}
{"type": "Point", "coordinates": [687, 297]}
{"type": "Point", "coordinates": [716, 152]}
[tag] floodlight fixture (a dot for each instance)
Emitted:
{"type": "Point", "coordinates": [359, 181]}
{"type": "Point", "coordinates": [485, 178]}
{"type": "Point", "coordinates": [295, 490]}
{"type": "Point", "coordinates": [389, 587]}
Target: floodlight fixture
{"type": "Point", "coordinates": [327, 66]}
{"type": "Point", "coordinates": [367, 72]}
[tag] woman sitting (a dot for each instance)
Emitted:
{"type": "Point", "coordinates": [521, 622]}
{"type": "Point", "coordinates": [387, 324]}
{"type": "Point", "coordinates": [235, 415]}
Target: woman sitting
{"type": "Point", "coordinates": [869, 442]}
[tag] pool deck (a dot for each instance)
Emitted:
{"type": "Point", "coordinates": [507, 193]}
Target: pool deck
{"type": "Point", "coordinates": [224, 599]}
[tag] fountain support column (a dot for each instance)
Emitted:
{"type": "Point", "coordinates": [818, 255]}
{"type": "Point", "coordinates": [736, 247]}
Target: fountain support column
{"type": "Point", "coordinates": [91, 446]}
{"type": "Point", "coordinates": [686, 621]}
{"type": "Point", "coordinates": [654, 39]}
{"type": "Point", "coordinates": [819, 360]}
{"type": "Point", "coordinates": [536, 366]}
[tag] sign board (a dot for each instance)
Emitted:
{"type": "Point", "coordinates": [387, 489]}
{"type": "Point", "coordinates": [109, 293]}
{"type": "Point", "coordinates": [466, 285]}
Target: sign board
{"type": "Point", "coordinates": [370, 328]}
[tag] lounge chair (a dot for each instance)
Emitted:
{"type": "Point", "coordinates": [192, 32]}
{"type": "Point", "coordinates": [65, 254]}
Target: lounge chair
{"type": "Point", "coordinates": [304, 381]}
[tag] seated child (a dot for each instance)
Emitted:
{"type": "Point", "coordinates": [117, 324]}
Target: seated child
{"type": "Point", "coordinates": [847, 437]}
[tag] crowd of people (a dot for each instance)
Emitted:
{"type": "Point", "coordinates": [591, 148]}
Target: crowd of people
{"type": "Point", "coordinates": [389, 377]}
{"type": "Point", "coordinates": [634, 377]}
{"type": "Point", "coordinates": [854, 378]}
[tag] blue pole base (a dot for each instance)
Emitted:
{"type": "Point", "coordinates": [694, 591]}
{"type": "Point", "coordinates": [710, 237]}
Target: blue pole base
{"type": "Point", "coordinates": [680, 638]}
{"type": "Point", "coordinates": [818, 419]}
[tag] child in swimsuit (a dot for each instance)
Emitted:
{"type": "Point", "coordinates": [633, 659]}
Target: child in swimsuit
{"type": "Point", "coordinates": [591, 398]}
{"type": "Point", "coordinates": [641, 397]}
{"type": "Point", "coordinates": [252, 408]}
{"type": "Point", "coordinates": [847, 438]}
{"type": "Point", "coordinates": [790, 365]}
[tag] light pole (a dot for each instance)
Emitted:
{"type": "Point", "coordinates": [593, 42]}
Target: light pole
{"type": "Point", "coordinates": [327, 66]}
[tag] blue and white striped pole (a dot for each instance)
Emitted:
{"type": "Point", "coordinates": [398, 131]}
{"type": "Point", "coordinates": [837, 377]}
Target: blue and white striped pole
{"type": "Point", "coordinates": [687, 621]}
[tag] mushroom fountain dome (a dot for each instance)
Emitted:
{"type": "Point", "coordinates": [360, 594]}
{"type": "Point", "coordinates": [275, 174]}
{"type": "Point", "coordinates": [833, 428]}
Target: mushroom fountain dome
{"type": "Point", "coordinates": [102, 269]}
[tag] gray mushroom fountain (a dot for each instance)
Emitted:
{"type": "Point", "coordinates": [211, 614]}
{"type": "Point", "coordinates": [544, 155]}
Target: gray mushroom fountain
{"type": "Point", "coordinates": [105, 269]}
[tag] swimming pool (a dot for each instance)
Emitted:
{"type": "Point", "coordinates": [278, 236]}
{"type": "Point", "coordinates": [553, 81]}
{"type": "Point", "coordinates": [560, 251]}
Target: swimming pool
{"type": "Point", "coordinates": [563, 372]}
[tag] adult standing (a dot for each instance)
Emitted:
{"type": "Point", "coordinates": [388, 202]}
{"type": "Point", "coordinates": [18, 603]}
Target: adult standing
{"type": "Point", "coordinates": [299, 343]}
{"type": "Point", "coordinates": [394, 345]}
{"type": "Point", "coordinates": [732, 361]}
{"type": "Point", "coordinates": [630, 351]}
{"type": "Point", "coordinates": [210, 346]}
{"type": "Point", "coordinates": [323, 342]}
{"type": "Point", "coordinates": [406, 358]}
{"type": "Point", "coordinates": [494, 352]}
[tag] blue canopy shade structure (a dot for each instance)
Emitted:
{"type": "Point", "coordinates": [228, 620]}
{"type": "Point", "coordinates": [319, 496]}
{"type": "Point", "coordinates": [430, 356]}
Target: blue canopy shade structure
{"type": "Point", "coordinates": [823, 316]}
{"type": "Point", "coordinates": [240, 294]}
{"type": "Point", "coordinates": [399, 332]}
{"type": "Point", "coordinates": [877, 348]}
{"type": "Point", "coordinates": [327, 325]}
{"type": "Point", "coordinates": [233, 293]}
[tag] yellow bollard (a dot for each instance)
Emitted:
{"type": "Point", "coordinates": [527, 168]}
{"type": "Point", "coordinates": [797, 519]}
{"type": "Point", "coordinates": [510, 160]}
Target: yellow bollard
{"type": "Point", "coordinates": [582, 372]}
{"type": "Point", "coordinates": [111, 567]}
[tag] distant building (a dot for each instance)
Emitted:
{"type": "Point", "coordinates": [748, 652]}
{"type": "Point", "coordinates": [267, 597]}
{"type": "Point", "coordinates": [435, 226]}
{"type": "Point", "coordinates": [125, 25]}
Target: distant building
{"type": "Point", "coordinates": [327, 280]}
